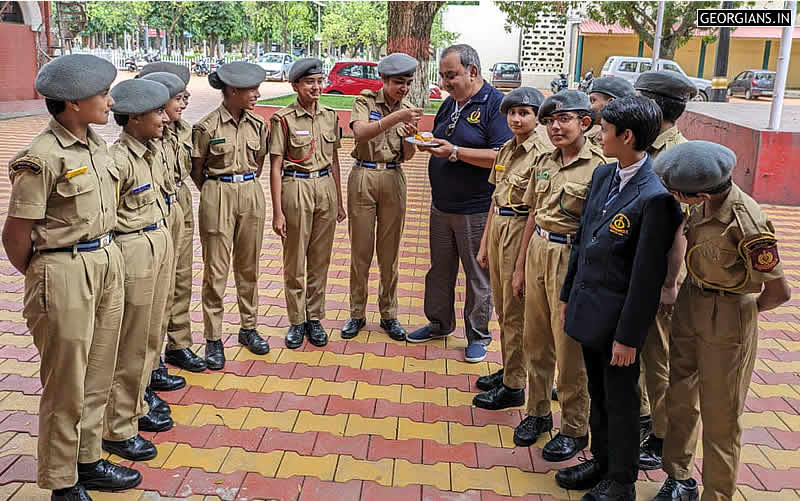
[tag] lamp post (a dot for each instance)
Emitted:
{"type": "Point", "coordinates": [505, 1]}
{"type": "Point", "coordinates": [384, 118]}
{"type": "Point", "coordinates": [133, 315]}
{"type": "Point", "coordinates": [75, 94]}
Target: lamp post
{"type": "Point", "coordinates": [318, 38]}
{"type": "Point", "coordinates": [657, 38]}
{"type": "Point", "coordinates": [719, 84]}
{"type": "Point", "coordinates": [783, 69]}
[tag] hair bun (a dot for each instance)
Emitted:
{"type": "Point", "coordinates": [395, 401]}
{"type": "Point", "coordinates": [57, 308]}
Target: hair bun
{"type": "Point", "coordinates": [214, 80]}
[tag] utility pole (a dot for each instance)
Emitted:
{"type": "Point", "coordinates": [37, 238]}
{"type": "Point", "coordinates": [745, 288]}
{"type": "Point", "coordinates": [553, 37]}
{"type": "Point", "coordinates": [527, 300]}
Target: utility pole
{"type": "Point", "coordinates": [659, 31]}
{"type": "Point", "coordinates": [719, 84]}
{"type": "Point", "coordinates": [783, 70]}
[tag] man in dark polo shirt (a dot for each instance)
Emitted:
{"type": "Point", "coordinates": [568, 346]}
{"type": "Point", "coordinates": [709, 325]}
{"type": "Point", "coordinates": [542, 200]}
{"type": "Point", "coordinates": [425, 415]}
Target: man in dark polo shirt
{"type": "Point", "coordinates": [469, 129]}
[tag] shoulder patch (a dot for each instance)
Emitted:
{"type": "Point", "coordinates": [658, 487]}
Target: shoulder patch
{"type": "Point", "coordinates": [200, 126]}
{"type": "Point", "coordinates": [763, 251]}
{"type": "Point", "coordinates": [255, 116]}
{"type": "Point", "coordinates": [368, 93]}
{"type": "Point", "coordinates": [28, 162]}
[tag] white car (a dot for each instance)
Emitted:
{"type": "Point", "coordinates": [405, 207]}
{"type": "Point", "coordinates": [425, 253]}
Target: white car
{"type": "Point", "coordinates": [630, 68]}
{"type": "Point", "coordinates": [276, 64]}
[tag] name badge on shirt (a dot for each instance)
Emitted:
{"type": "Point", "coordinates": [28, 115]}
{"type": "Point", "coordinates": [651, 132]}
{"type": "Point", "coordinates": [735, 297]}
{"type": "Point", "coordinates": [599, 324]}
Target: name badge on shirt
{"type": "Point", "coordinates": [301, 132]}
{"type": "Point", "coordinates": [141, 188]}
{"type": "Point", "coordinates": [542, 175]}
{"type": "Point", "coordinates": [374, 115]}
{"type": "Point", "coordinates": [217, 140]}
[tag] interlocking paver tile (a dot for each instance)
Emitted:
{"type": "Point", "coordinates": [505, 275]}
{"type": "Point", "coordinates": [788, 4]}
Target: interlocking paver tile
{"type": "Point", "coordinates": [427, 431]}
{"type": "Point", "coordinates": [377, 471]}
{"type": "Point", "coordinates": [406, 473]}
{"type": "Point", "coordinates": [322, 467]}
{"type": "Point", "coordinates": [385, 427]}
{"type": "Point", "coordinates": [410, 450]}
{"type": "Point", "coordinates": [315, 489]}
{"type": "Point", "coordinates": [184, 455]}
{"type": "Point", "coordinates": [283, 421]}
{"type": "Point", "coordinates": [241, 460]}
{"type": "Point", "coordinates": [257, 487]}
{"type": "Point", "coordinates": [370, 491]}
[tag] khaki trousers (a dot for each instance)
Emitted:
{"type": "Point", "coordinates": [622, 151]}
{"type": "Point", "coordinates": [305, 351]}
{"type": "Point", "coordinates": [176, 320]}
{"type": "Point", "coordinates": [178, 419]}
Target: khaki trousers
{"type": "Point", "coordinates": [73, 308]}
{"type": "Point", "coordinates": [175, 231]}
{"type": "Point", "coordinates": [148, 265]}
{"type": "Point", "coordinates": [179, 329]}
{"type": "Point", "coordinates": [505, 238]}
{"type": "Point", "coordinates": [310, 207]}
{"type": "Point", "coordinates": [712, 355]}
{"type": "Point", "coordinates": [375, 196]}
{"type": "Point", "coordinates": [231, 220]}
{"type": "Point", "coordinates": [546, 342]}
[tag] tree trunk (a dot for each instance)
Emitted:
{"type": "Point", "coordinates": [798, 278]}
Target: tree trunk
{"type": "Point", "coordinates": [409, 30]}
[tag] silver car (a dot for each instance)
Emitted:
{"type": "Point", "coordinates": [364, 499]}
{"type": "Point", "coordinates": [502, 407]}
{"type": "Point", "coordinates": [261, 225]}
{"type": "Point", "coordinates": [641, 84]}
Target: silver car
{"type": "Point", "coordinates": [629, 68]}
{"type": "Point", "coordinates": [276, 64]}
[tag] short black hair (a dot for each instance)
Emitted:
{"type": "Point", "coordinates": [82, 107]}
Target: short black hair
{"type": "Point", "coordinates": [671, 108]}
{"type": "Point", "coordinates": [639, 114]}
{"type": "Point", "coordinates": [122, 120]}
{"type": "Point", "coordinates": [54, 106]}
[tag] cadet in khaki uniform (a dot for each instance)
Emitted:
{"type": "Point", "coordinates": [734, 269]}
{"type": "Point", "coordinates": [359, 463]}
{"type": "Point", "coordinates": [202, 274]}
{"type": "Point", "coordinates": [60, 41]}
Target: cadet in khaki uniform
{"type": "Point", "coordinates": [670, 91]}
{"type": "Point", "coordinates": [229, 147]}
{"type": "Point", "coordinates": [603, 91]}
{"type": "Point", "coordinates": [179, 134]}
{"type": "Point", "coordinates": [306, 199]}
{"type": "Point", "coordinates": [556, 194]}
{"type": "Point", "coordinates": [734, 274]}
{"type": "Point", "coordinates": [146, 248]}
{"type": "Point", "coordinates": [500, 245]}
{"type": "Point", "coordinates": [376, 190]}
{"type": "Point", "coordinates": [61, 213]}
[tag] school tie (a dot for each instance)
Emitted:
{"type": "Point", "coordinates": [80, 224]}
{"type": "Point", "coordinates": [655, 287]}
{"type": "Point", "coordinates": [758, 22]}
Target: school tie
{"type": "Point", "coordinates": [614, 191]}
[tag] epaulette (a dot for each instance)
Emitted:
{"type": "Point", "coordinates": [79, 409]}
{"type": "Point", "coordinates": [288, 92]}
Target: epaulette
{"type": "Point", "coordinates": [368, 93]}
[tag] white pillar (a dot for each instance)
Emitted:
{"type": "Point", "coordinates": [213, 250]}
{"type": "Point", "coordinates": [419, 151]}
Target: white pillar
{"type": "Point", "coordinates": [776, 112]}
{"type": "Point", "coordinates": [657, 38]}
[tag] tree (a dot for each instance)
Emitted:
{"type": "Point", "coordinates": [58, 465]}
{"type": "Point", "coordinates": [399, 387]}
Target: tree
{"type": "Point", "coordinates": [282, 20]}
{"type": "Point", "coordinates": [409, 30]}
{"type": "Point", "coordinates": [523, 14]}
{"type": "Point", "coordinates": [215, 21]}
{"type": "Point", "coordinates": [356, 25]}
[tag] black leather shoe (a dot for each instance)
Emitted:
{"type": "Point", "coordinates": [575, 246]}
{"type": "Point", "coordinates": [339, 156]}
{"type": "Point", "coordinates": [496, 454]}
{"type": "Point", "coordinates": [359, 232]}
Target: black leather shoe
{"type": "Point", "coordinates": [294, 338]}
{"type": "Point", "coordinates": [678, 490]}
{"type": "Point", "coordinates": [645, 428]}
{"type": "Point", "coordinates": [185, 359]}
{"type": "Point", "coordinates": [105, 476]}
{"type": "Point", "coordinates": [253, 341]}
{"type": "Point", "coordinates": [162, 380]}
{"type": "Point", "coordinates": [554, 395]}
{"type": "Point", "coordinates": [499, 397]}
{"type": "Point", "coordinates": [316, 334]}
{"type": "Point", "coordinates": [650, 453]}
{"type": "Point", "coordinates": [563, 447]}
{"type": "Point", "coordinates": [133, 449]}
{"type": "Point", "coordinates": [154, 402]}
{"type": "Point", "coordinates": [491, 381]}
{"type": "Point", "coordinates": [215, 355]}
{"type": "Point", "coordinates": [352, 326]}
{"type": "Point", "coordinates": [582, 476]}
{"type": "Point", "coordinates": [527, 432]}
{"type": "Point", "coordinates": [394, 329]}
{"type": "Point", "coordinates": [610, 490]}
{"type": "Point", "coordinates": [153, 421]}
{"type": "Point", "coordinates": [74, 493]}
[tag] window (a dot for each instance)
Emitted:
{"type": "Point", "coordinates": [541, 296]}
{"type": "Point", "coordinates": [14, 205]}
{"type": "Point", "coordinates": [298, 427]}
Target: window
{"type": "Point", "coordinates": [645, 67]}
{"type": "Point", "coordinates": [748, 75]}
{"type": "Point", "coordinates": [353, 70]}
{"type": "Point", "coordinates": [607, 66]}
{"type": "Point", "coordinates": [740, 76]}
{"type": "Point", "coordinates": [672, 67]}
{"type": "Point", "coordinates": [766, 77]}
{"type": "Point", "coordinates": [506, 68]}
{"type": "Point", "coordinates": [628, 66]}
{"type": "Point", "coordinates": [12, 13]}
{"type": "Point", "coordinates": [270, 58]}
{"type": "Point", "coordinates": [287, 59]}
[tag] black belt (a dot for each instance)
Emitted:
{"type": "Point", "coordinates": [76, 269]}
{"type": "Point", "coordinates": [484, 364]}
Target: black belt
{"type": "Point", "coordinates": [91, 245]}
{"type": "Point", "coordinates": [715, 291]}
{"type": "Point", "coordinates": [508, 211]}
{"type": "Point", "coordinates": [558, 238]}
{"type": "Point", "coordinates": [152, 227]}
{"type": "Point", "coordinates": [306, 175]}
{"type": "Point", "coordinates": [377, 165]}
{"type": "Point", "coordinates": [233, 178]}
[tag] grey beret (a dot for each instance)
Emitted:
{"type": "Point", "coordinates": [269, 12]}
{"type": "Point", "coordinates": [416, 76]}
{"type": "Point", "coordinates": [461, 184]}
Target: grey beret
{"type": "Point", "coordinates": [523, 96]}
{"type": "Point", "coordinates": [612, 86]}
{"type": "Point", "coordinates": [695, 166]}
{"type": "Point", "coordinates": [74, 77]}
{"type": "Point", "coordinates": [666, 83]}
{"type": "Point", "coordinates": [304, 67]}
{"type": "Point", "coordinates": [172, 82]}
{"type": "Point", "coordinates": [132, 97]}
{"type": "Point", "coordinates": [241, 75]}
{"type": "Point", "coordinates": [566, 100]}
{"type": "Point", "coordinates": [398, 63]}
{"type": "Point", "coordinates": [176, 69]}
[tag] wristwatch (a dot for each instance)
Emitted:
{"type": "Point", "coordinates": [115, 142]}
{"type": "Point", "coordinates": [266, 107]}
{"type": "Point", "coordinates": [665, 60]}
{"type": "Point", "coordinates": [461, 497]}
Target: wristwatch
{"type": "Point", "coordinates": [454, 155]}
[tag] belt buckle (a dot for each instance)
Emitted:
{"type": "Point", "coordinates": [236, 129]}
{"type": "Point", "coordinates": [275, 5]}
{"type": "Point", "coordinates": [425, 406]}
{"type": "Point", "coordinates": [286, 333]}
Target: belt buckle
{"type": "Point", "coordinates": [381, 166]}
{"type": "Point", "coordinates": [105, 240]}
{"type": "Point", "coordinates": [497, 210]}
{"type": "Point", "coordinates": [314, 175]}
{"type": "Point", "coordinates": [238, 178]}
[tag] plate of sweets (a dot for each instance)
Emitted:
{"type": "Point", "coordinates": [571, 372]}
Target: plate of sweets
{"type": "Point", "coordinates": [423, 139]}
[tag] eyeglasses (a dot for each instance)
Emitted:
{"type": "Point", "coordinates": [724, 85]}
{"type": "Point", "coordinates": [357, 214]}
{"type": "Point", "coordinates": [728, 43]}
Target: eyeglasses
{"type": "Point", "coordinates": [561, 119]}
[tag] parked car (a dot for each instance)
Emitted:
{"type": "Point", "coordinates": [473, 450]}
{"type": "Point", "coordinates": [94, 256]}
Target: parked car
{"type": "Point", "coordinates": [506, 75]}
{"type": "Point", "coordinates": [630, 68]}
{"type": "Point", "coordinates": [276, 64]}
{"type": "Point", "coordinates": [351, 77]}
{"type": "Point", "coordinates": [752, 84]}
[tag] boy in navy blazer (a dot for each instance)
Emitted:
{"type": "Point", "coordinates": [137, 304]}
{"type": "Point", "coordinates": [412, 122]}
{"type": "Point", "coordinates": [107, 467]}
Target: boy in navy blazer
{"type": "Point", "coordinates": [612, 291]}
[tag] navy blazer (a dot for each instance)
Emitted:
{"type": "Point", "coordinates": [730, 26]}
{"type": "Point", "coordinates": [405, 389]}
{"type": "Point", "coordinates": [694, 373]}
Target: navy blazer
{"type": "Point", "coordinates": [619, 259]}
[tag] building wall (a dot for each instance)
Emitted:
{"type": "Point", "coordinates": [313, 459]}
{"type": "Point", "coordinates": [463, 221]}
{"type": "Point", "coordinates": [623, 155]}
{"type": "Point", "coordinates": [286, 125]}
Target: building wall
{"type": "Point", "coordinates": [17, 62]}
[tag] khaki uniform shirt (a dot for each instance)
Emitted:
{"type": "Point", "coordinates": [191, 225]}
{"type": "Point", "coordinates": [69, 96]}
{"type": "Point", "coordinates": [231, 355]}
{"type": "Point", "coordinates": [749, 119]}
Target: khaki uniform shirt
{"type": "Point", "coordinates": [557, 193]}
{"type": "Point", "coordinates": [512, 170]}
{"type": "Point", "coordinates": [387, 146]}
{"type": "Point", "coordinates": [666, 139]}
{"type": "Point", "coordinates": [595, 135]}
{"type": "Point", "coordinates": [713, 242]}
{"type": "Point", "coordinates": [229, 147]}
{"type": "Point", "coordinates": [181, 139]}
{"type": "Point", "coordinates": [140, 173]}
{"type": "Point", "coordinates": [69, 187]}
{"type": "Point", "coordinates": [307, 143]}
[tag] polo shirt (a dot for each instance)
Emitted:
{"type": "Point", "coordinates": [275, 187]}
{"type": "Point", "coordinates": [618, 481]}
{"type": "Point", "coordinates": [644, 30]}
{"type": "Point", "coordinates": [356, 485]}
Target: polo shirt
{"type": "Point", "coordinates": [459, 187]}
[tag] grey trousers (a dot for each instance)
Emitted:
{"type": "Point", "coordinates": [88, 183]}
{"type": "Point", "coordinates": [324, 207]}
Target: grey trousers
{"type": "Point", "coordinates": [454, 238]}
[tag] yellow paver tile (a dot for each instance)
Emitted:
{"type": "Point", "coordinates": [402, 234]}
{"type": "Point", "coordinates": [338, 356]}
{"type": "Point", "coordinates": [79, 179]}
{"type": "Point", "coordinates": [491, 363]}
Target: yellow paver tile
{"type": "Point", "coordinates": [295, 464]}
{"type": "Point", "coordinates": [300, 357]}
{"type": "Point", "coordinates": [8, 490]}
{"type": "Point", "coordinates": [408, 429]}
{"type": "Point", "coordinates": [522, 482]}
{"type": "Point", "coordinates": [385, 427]}
{"type": "Point", "coordinates": [232, 418]}
{"type": "Point", "coordinates": [352, 361]}
{"type": "Point", "coordinates": [492, 479]}
{"type": "Point", "coordinates": [265, 463]}
{"type": "Point", "coordinates": [753, 454]}
{"type": "Point", "coordinates": [30, 492]}
{"type": "Point", "coordinates": [783, 460]}
{"type": "Point", "coordinates": [455, 367]}
{"type": "Point", "coordinates": [270, 358]}
{"type": "Point", "coordinates": [438, 366]}
{"type": "Point", "coordinates": [296, 386]}
{"type": "Point", "coordinates": [247, 383]}
{"type": "Point", "coordinates": [164, 452]}
{"type": "Point", "coordinates": [437, 475]}
{"type": "Point", "coordinates": [130, 495]}
{"type": "Point", "coordinates": [184, 414]}
{"type": "Point", "coordinates": [457, 397]}
{"type": "Point", "coordinates": [13, 366]}
{"type": "Point", "coordinates": [355, 469]}
{"type": "Point", "coordinates": [308, 421]}
{"type": "Point", "coordinates": [751, 494]}
{"type": "Point", "coordinates": [209, 460]}
{"type": "Point", "coordinates": [207, 381]}
{"type": "Point", "coordinates": [5, 437]}
{"type": "Point", "coordinates": [411, 394]}
{"type": "Point", "coordinates": [14, 340]}
{"type": "Point", "coordinates": [775, 390]}
{"type": "Point", "coordinates": [372, 361]}
{"type": "Point", "coordinates": [366, 390]}
{"type": "Point", "coordinates": [489, 434]}
{"type": "Point", "coordinates": [20, 444]}
{"type": "Point", "coordinates": [771, 343]}
{"type": "Point", "coordinates": [792, 421]}
{"type": "Point", "coordinates": [764, 419]}
{"type": "Point", "coordinates": [345, 389]}
{"type": "Point", "coordinates": [283, 421]}
{"type": "Point", "coordinates": [15, 401]}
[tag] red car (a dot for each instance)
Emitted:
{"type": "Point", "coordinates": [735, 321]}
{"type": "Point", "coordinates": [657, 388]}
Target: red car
{"type": "Point", "coordinates": [354, 76]}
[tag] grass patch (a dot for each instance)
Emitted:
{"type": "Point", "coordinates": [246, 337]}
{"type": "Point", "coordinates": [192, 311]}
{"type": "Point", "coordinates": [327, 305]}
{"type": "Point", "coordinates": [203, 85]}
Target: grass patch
{"type": "Point", "coordinates": [339, 102]}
